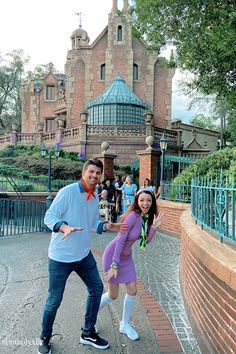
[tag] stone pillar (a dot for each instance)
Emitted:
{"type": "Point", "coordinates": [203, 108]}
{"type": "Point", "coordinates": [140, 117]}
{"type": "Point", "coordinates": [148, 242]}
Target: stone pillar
{"type": "Point", "coordinates": [60, 129]}
{"type": "Point", "coordinates": [149, 163]}
{"type": "Point", "coordinates": [83, 133]}
{"type": "Point", "coordinates": [107, 160]}
{"type": "Point", "coordinates": [13, 135]}
{"type": "Point", "coordinates": [39, 136]}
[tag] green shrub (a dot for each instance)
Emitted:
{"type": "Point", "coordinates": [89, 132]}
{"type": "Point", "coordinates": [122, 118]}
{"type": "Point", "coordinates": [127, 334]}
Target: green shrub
{"type": "Point", "coordinates": [223, 160]}
{"type": "Point", "coordinates": [25, 187]}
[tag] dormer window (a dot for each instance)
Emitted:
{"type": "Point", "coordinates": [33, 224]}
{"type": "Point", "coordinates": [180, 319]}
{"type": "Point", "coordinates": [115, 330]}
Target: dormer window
{"type": "Point", "coordinates": [119, 33]}
{"type": "Point", "coordinates": [102, 71]}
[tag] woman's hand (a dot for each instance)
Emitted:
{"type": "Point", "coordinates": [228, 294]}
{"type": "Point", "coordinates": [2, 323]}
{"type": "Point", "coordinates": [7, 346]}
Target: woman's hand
{"type": "Point", "coordinates": [112, 272]}
{"type": "Point", "coordinates": [67, 230]}
{"type": "Point", "coordinates": [158, 220]}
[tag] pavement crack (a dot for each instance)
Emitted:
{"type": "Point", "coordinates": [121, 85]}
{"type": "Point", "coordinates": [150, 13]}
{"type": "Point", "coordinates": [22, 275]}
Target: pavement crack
{"type": "Point", "coordinates": [29, 280]}
{"type": "Point", "coordinates": [5, 283]}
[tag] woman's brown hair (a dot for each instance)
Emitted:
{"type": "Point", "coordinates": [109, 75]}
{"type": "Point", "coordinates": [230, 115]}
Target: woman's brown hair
{"type": "Point", "coordinates": [135, 207]}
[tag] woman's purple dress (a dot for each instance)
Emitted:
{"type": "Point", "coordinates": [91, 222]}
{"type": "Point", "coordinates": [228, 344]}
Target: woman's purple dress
{"type": "Point", "coordinates": [119, 250]}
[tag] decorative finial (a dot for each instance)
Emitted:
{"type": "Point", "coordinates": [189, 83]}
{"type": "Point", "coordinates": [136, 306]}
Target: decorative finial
{"type": "Point", "coordinates": [50, 67]}
{"type": "Point", "coordinates": [104, 146]}
{"type": "Point", "coordinates": [80, 18]}
{"type": "Point", "coordinates": [126, 6]}
{"type": "Point", "coordinates": [114, 7]}
{"type": "Point", "coordinates": [149, 141]}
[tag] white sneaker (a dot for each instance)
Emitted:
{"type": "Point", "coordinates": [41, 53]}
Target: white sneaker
{"type": "Point", "coordinates": [127, 329]}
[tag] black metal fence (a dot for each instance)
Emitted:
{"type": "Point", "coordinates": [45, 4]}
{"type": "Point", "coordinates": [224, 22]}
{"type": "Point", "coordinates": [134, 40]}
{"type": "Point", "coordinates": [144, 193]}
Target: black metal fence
{"type": "Point", "coordinates": [21, 216]}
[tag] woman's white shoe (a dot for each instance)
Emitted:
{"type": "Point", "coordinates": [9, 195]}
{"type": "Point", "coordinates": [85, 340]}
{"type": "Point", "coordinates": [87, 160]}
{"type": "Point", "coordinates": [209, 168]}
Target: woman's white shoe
{"type": "Point", "coordinates": [129, 330]}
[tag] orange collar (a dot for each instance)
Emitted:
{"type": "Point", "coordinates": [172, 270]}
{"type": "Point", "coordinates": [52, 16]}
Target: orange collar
{"type": "Point", "coordinates": [90, 191]}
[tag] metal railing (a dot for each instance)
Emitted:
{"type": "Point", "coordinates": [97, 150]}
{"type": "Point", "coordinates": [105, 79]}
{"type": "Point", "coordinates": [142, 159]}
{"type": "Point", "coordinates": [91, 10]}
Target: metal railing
{"type": "Point", "coordinates": [176, 192]}
{"type": "Point", "coordinates": [29, 185]}
{"type": "Point", "coordinates": [21, 216]}
{"type": "Point", "coordinates": [213, 205]}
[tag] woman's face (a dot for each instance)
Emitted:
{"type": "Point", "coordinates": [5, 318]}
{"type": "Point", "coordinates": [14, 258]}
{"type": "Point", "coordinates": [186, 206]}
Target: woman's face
{"type": "Point", "coordinates": [108, 183]}
{"type": "Point", "coordinates": [146, 182]}
{"type": "Point", "coordinates": [144, 202]}
{"type": "Point", "coordinates": [128, 180]}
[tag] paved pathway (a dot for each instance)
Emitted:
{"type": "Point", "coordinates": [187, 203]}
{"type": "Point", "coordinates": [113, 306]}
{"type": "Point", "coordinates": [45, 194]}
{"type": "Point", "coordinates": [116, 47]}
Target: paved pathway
{"type": "Point", "coordinates": [158, 268]}
{"type": "Point", "coordinates": [23, 288]}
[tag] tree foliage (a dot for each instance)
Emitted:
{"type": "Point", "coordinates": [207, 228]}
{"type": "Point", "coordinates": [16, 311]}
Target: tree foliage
{"type": "Point", "coordinates": [11, 74]}
{"type": "Point", "coordinates": [207, 122]}
{"type": "Point", "coordinates": [210, 166]}
{"type": "Point", "coordinates": [231, 127]}
{"type": "Point", "coordinates": [42, 69]}
{"type": "Point", "coordinates": [204, 34]}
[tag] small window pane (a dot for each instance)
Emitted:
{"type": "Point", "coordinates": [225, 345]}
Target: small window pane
{"type": "Point", "coordinates": [50, 124]}
{"type": "Point", "coordinates": [135, 72]}
{"type": "Point", "coordinates": [119, 33]}
{"type": "Point", "coordinates": [50, 93]}
{"type": "Point", "coordinates": [102, 72]}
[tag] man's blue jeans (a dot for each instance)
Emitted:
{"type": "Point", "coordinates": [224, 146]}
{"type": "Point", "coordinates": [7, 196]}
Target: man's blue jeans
{"type": "Point", "coordinates": [58, 275]}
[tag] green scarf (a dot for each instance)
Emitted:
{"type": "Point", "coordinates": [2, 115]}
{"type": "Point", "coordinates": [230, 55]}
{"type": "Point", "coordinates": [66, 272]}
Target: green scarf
{"type": "Point", "coordinates": [144, 229]}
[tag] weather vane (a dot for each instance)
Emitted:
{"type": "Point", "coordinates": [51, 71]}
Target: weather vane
{"type": "Point", "coordinates": [80, 18]}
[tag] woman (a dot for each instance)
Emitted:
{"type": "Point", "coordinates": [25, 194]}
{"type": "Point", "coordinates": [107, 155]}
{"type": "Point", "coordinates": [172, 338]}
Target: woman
{"type": "Point", "coordinates": [118, 265]}
{"type": "Point", "coordinates": [129, 190]}
{"type": "Point", "coordinates": [147, 185]}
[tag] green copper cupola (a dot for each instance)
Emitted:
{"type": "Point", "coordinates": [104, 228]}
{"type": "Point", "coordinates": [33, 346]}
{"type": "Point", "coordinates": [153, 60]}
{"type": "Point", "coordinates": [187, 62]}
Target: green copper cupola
{"type": "Point", "coordinates": [117, 105]}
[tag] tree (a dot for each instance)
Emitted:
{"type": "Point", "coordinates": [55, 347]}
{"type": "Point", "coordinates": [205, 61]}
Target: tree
{"type": "Point", "coordinates": [11, 74]}
{"type": "Point", "coordinates": [207, 122]}
{"type": "Point", "coordinates": [204, 34]}
{"type": "Point", "coordinates": [231, 127]}
{"type": "Point", "coordinates": [42, 69]}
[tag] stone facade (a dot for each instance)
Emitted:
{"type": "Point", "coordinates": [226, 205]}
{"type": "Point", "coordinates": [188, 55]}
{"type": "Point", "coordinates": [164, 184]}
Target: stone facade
{"type": "Point", "coordinates": [83, 80]}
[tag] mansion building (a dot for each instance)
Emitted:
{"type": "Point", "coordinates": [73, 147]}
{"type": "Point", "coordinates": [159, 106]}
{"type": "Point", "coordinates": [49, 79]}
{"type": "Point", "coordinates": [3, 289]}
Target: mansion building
{"type": "Point", "coordinates": [113, 90]}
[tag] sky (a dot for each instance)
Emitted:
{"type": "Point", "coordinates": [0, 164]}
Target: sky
{"type": "Point", "coordinates": [43, 29]}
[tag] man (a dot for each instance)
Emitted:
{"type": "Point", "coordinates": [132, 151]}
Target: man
{"type": "Point", "coordinates": [72, 216]}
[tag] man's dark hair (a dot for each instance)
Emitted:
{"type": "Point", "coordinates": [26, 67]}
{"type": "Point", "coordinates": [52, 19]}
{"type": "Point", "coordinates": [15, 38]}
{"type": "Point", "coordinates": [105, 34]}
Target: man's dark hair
{"type": "Point", "coordinates": [94, 162]}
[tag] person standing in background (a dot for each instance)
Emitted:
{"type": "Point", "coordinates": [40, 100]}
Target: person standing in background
{"type": "Point", "coordinates": [118, 184]}
{"type": "Point", "coordinates": [129, 190]}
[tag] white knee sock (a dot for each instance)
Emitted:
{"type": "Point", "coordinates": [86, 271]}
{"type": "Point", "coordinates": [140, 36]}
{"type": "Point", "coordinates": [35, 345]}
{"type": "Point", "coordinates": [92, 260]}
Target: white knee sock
{"type": "Point", "coordinates": [105, 300]}
{"type": "Point", "coordinates": [129, 302]}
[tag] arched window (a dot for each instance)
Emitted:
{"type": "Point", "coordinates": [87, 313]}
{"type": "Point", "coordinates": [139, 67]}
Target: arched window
{"type": "Point", "coordinates": [135, 72]}
{"type": "Point", "coordinates": [119, 33]}
{"type": "Point", "coordinates": [102, 71]}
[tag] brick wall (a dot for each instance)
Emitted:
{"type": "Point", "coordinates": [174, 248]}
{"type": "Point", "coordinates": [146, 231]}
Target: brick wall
{"type": "Point", "coordinates": [173, 211]}
{"type": "Point", "coordinates": [208, 279]}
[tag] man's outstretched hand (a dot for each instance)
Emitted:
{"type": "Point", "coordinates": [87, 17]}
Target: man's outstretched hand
{"type": "Point", "coordinates": [67, 230]}
{"type": "Point", "coordinates": [117, 227]}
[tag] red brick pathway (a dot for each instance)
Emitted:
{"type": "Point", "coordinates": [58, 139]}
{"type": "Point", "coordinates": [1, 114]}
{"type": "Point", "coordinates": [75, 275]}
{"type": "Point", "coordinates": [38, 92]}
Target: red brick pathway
{"type": "Point", "coordinates": [165, 334]}
{"type": "Point", "coordinates": [166, 337]}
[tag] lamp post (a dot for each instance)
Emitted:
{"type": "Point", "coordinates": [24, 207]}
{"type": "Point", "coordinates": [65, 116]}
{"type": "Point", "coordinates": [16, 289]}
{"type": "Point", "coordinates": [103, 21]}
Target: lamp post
{"type": "Point", "coordinates": [163, 145]}
{"type": "Point", "coordinates": [50, 151]}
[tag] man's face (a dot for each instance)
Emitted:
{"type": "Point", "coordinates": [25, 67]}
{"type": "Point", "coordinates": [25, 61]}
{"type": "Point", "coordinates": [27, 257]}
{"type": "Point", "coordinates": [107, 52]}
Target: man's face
{"type": "Point", "coordinates": [92, 175]}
